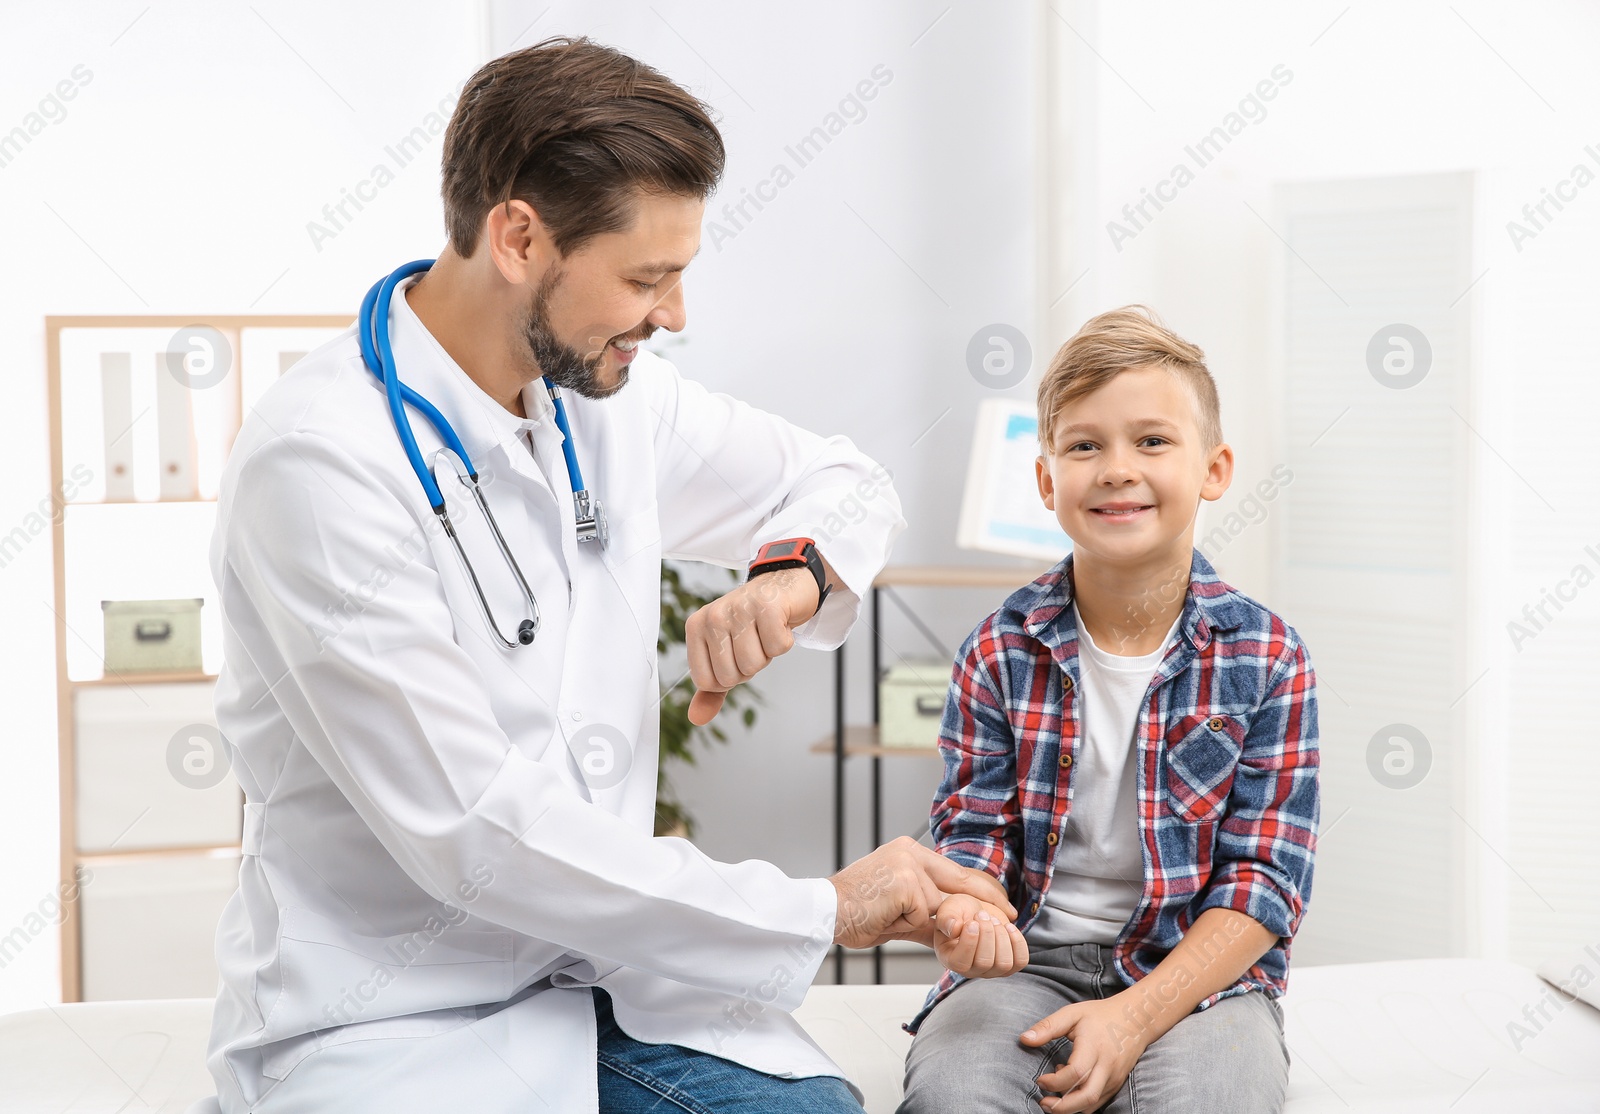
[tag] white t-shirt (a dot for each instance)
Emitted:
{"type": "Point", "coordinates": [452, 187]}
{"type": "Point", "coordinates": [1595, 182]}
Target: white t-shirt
{"type": "Point", "coordinates": [1099, 870]}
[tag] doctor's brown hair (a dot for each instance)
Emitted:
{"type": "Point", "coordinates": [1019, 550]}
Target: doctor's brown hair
{"type": "Point", "coordinates": [1122, 340]}
{"type": "Point", "coordinates": [573, 128]}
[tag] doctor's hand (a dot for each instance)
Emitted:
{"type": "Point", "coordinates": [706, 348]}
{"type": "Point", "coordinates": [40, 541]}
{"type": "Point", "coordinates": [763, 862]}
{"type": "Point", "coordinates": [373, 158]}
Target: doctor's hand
{"type": "Point", "coordinates": [892, 894]}
{"type": "Point", "coordinates": [733, 638]}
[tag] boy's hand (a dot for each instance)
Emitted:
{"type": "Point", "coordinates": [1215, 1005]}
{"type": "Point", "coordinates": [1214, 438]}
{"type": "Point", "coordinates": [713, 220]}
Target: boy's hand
{"type": "Point", "coordinates": [977, 939]}
{"type": "Point", "coordinates": [1104, 1049]}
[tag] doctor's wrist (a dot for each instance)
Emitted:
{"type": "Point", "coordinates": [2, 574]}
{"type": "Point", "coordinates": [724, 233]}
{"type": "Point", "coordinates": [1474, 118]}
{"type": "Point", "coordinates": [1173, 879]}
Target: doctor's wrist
{"type": "Point", "coordinates": [794, 568]}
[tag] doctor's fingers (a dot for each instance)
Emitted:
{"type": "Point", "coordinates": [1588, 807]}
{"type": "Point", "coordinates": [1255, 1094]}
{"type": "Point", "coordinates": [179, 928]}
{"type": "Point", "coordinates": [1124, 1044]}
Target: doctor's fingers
{"type": "Point", "coordinates": [710, 647]}
{"type": "Point", "coordinates": [953, 878]}
{"type": "Point", "coordinates": [757, 642]}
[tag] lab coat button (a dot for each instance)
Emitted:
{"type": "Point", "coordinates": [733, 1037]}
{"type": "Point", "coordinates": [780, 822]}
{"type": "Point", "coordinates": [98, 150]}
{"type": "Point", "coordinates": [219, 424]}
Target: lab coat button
{"type": "Point", "coordinates": [577, 716]}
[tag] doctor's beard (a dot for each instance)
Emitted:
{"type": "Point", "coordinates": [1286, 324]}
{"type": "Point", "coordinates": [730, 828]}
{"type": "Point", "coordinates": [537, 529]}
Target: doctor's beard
{"type": "Point", "coordinates": [564, 365]}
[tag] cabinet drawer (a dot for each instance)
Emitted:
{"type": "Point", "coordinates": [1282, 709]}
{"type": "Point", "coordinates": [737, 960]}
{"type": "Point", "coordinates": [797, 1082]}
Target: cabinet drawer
{"type": "Point", "coordinates": [136, 786]}
{"type": "Point", "coordinates": [149, 926]}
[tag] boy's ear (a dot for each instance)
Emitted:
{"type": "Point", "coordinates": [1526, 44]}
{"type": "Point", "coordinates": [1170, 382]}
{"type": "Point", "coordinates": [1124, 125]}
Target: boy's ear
{"type": "Point", "coordinates": [1047, 487]}
{"type": "Point", "coordinates": [1219, 474]}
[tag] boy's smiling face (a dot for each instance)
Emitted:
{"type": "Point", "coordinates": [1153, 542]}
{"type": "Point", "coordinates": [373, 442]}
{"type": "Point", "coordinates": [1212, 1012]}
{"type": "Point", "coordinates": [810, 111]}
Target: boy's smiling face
{"type": "Point", "coordinates": [1128, 469]}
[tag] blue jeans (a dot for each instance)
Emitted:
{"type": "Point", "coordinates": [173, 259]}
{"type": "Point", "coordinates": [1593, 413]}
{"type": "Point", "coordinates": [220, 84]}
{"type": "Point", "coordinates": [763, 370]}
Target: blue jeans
{"type": "Point", "coordinates": [636, 1077]}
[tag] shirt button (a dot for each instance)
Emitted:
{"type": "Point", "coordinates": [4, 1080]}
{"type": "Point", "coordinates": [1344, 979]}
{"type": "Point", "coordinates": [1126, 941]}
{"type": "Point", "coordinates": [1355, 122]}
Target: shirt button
{"type": "Point", "coordinates": [1035, 908]}
{"type": "Point", "coordinates": [1052, 839]}
{"type": "Point", "coordinates": [1066, 761]}
{"type": "Point", "coordinates": [1066, 683]}
{"type": "Point", "coordinates": [1215, 723]}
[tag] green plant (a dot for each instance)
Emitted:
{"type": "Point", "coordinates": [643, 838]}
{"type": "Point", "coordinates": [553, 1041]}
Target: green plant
{"type": "Point", "coordinates": [679, 737]}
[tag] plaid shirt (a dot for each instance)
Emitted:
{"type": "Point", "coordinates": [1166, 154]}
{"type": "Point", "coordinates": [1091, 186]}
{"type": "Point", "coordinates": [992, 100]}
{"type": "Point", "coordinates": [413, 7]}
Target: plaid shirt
{"type": "Point", "coordinates": [1227, 768]}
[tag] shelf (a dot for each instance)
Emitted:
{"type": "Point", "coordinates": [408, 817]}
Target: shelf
{"type": "Point", "coordinates": [94, 561]}
{"type": "Point", "coordinates": [862, 739]}
{"type": "Point", "coordinates": [203, 851]}
{"type": "Point", "coordinates": [141, 502]}
{"type": "Point", "coordinates": [957, 576]}
{"type": "Point", "coordinates": [133, 677]}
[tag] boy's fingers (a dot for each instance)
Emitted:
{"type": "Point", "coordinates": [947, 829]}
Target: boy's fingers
{"type": "Point", "coordinates": [1071, 1080]}
{"type": "Point", "coordinates": [967, 947]}
{"type": "Point", "coordinates": [1058, 1024]}
{"type": "Point", "coordinates": [1019, 948]}
{"type": "Point", "coordinates": [1002, 949]}
{"type": "Point", "coordinates": [986, 946]}
{"type": "Point", "coordinates": [1001, 953]}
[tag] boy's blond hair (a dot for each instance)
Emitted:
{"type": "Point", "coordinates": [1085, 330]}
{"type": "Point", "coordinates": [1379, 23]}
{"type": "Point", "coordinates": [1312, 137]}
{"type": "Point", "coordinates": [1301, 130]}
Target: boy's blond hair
{"type": "Point", "coordinates": [1122, 340]}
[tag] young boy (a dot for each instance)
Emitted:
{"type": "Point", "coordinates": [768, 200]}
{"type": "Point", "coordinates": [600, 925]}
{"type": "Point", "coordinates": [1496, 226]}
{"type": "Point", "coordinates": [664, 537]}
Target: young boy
{"type": "Point", "coordinates": [1130, 746]}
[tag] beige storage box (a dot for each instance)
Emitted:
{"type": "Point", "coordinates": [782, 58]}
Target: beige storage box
{"type": "Point", "coordinates": [911, 703]}
{"type": "Point", "coordinates": [152, 636]}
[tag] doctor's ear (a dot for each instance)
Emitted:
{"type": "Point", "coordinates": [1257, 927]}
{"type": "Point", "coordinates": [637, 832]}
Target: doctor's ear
{"type": "Point", "coordinates": [519, 243]}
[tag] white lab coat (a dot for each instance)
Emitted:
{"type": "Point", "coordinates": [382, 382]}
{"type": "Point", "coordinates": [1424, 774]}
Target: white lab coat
{"type": "Point", "coordinates": [434, 833]}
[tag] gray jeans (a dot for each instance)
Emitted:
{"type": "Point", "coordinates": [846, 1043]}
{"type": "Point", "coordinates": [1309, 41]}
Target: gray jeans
{"type": "Point", "coordinates": [967, 1058]}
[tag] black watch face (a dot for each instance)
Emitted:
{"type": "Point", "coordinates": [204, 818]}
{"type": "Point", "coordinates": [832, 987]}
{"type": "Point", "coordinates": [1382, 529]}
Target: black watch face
{"type": "Point", "coordinates": [782, 549]}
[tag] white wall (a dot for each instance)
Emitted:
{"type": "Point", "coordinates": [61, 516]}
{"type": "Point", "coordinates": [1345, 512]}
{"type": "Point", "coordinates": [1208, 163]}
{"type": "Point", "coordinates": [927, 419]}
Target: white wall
{"type": "Point", "coordinates": [180, 179]}
{"type": "Point", "coordinates": [184, 174]}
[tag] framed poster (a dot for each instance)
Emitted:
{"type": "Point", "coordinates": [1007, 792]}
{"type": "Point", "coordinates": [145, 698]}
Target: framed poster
{"type": "Point", "coordinates": [1001, 511]}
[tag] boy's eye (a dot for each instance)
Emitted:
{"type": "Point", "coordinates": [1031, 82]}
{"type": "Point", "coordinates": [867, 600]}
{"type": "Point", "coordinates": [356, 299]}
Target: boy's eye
{"type": "Point", "coordinates": [1080, 445]}
{"type": "Point", "coordinates": [1153, 437]}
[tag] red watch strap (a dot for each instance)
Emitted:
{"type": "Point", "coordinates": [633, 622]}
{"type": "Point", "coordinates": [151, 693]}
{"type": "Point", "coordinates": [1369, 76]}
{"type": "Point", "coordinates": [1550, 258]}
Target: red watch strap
{"type": "Point", "coordinates": [792, 553]}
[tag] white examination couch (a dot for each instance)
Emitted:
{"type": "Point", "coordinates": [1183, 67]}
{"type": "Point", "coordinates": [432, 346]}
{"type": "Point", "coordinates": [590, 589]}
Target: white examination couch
{"type": "Point", "coordinates": [1457, 1035]}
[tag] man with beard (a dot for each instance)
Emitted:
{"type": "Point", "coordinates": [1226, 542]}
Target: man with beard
{"type": "Point", "coordinates": [445, 722]}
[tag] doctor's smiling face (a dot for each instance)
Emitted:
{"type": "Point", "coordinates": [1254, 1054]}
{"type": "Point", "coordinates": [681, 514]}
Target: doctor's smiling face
{"type": "Point", "coordinates": [591, 308]}
{"type": "Point", "coordinates": [574, 179]}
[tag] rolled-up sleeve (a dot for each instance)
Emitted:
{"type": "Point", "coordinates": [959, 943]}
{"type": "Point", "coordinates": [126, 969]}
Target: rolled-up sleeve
{"type": "Point", "coordinates": [976, 819]}
{"type": "Point", "coordinates": [1266, 843]}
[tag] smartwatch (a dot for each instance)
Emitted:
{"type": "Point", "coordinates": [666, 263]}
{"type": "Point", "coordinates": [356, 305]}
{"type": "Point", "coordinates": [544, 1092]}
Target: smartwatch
{"type": "Point", "coordinates": [792, 553]}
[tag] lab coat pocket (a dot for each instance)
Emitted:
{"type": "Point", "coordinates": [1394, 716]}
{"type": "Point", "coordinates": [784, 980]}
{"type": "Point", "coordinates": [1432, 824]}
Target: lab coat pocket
{"type": "Point", "coordinates": [1202, 757]}
{"type": "Point", "coordinates": [339, 977]}
{"type": "Point", "coordinates": [635, 536]}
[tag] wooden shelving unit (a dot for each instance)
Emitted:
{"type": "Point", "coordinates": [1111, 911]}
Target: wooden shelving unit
{"type": "Point", "coordinates": [70, 690]}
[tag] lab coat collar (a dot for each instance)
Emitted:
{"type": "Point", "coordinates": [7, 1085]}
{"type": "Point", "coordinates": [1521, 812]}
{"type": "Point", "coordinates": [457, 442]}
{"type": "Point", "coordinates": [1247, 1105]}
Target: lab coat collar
{"type": "Point", "coordinates": [482, 423]}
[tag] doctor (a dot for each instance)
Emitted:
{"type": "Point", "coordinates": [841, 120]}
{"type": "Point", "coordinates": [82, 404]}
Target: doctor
{"type": "Point", "coordinates": [450, 897]}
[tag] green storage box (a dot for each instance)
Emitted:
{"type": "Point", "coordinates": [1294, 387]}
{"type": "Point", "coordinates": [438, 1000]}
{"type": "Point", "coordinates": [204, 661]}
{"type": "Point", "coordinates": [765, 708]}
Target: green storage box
{"type": "Point", "coordinates": [911, 702]}
{"type": "Point", "coordinates": [152, 636]}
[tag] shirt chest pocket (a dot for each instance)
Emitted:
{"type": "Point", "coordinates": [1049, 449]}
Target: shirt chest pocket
{"type": "Point", "coordinates": [1202, 757]}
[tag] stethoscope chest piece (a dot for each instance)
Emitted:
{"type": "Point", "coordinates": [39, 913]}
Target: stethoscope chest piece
{"type": "Point", "coordinates": [590, 518]}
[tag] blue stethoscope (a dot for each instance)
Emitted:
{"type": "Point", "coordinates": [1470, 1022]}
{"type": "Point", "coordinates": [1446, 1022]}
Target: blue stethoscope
{"type": "Point", "coordinates": [379, 356]}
